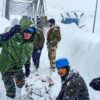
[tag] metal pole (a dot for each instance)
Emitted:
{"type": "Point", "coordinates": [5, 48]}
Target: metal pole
{"type": "Point", "coordinates": [7, 9]}
{"type": "Point", "coordinates": [95, 16]}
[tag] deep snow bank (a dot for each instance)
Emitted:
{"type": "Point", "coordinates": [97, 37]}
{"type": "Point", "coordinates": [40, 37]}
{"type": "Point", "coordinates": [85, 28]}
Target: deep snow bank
{"type": "Point", "coordinates": [56, 7]}
{"type": "Point", "coordinates": [82, 50]}
{"type": "Point", "coordinates": [4, 23]}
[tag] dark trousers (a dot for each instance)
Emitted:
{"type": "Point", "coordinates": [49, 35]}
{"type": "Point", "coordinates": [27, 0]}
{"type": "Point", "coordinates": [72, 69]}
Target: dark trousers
{"type": "Point", "coordinates": [27, 68]}
{"type": "Point", "coordinates": [36, 57]}
{"type": "Point", "coordinates": [9, 82]}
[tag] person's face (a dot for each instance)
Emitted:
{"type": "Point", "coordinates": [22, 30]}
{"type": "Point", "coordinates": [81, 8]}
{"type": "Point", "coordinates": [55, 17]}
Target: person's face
{"type": "Point", "coordinates": [62, 71]}
{"type": "Point", "coordinates": [27, 35]}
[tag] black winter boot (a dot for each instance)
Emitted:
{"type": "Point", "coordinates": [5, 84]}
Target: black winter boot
{"type": "Point", "coordinates": [27, 70]}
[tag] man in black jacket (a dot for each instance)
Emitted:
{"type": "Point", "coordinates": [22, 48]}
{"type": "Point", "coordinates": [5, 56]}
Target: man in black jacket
{"type": "Point", "coordinates": [73, 85]}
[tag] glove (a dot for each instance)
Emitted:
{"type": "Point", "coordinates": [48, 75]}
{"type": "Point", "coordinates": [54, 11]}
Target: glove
{"type": "Point", "coordinates": [27, 70]}
{"type": "Point", "coordinates": [95, 84]}
{"type": "Point", "coordinates": [15, 29]}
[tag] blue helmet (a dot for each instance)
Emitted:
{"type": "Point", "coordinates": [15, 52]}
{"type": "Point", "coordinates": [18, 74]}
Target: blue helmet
{"type": "Point", "coordinates": [62, 63]}
{"type": "Point", "coordinates": [30, 30]}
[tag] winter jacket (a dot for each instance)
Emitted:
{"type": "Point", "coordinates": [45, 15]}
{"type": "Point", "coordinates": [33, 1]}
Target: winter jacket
{"type": "Point", "coordinates": [53, 36]}
{"type": "Point", "coordinates": [39, 39]}
{"type": "Point", "coordinates": [95, 84]}
{"type": "Point", "coordinates": [73, 88]}
{"type": "Point", "coordinates": [15, 52]}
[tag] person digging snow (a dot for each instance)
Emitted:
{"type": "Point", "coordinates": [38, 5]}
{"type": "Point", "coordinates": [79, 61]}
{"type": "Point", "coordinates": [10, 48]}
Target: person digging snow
{"type": "Point", "coordinates": [53, 38]}
{"type": "Point", "coordinates": [16, 50]}
{"type": "Point", "coordinates": [73, 85]}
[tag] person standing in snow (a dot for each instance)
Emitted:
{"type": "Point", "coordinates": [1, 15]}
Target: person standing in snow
{"type": "Point", "coordinates": [53, 38]}
{"type": "Point", "coordinates": [73, 85]}
{"type": "Point", "coordinates": [38, 44]}
{"type": "Point", "coordinates": [16, 50]}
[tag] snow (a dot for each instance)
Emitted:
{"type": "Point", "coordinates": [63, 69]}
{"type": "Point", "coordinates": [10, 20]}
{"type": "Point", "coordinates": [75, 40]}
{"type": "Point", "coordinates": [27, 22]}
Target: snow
{"type": "Point", "coordinates": [81, 47]}
{"type": "Point", "coordinates": [55, 8]}
{"type": "Point", "coordinates": [2, 7]}
{"type": "Point", "coordinates": [4, 23]}
{"type": "Point", "coordinates": [82, 50]}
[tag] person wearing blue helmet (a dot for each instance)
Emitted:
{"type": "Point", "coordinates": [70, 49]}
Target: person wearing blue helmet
{"type": "Point", "coordinates": [17, 46]}
{"type": "Point", "coordinates": [73, 85]}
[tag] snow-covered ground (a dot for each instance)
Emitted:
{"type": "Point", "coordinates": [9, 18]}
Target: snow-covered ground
{"type": "Point", "coordinates": [79, 46]}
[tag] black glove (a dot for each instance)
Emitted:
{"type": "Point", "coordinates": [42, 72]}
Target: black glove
{"type": "Point", "coordinates": [95, 84]}
{"type": "Point", "coordinates": [15, 29]}
{"type": "Point", "coordinates": [27, 70]}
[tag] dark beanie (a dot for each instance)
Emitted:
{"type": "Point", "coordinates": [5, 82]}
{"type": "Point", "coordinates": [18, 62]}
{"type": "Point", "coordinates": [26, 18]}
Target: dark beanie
{"type": "Point", "coordinates": [52, 21]}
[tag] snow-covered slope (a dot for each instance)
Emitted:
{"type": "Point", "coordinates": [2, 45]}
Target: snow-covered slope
{"type": "Point", "coordinates": [55, 7]}
{"type": "Point", "coordinates": [82, 50]}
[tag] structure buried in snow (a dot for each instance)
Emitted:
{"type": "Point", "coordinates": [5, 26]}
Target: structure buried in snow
{"type": "Point", "coordinates": [72, 17]}
{"type": "Point", "coordinates": [30, 8]}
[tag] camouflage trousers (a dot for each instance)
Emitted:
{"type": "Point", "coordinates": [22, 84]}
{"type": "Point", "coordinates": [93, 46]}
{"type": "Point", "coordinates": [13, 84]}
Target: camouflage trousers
{"type": "Point", "coordinates": [11, 80]}
{"type": "Point", "coordinates": [52, 55]}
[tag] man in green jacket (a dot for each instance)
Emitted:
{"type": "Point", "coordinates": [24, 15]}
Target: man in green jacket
{"type": "Point", "coordinates": [16, 50]}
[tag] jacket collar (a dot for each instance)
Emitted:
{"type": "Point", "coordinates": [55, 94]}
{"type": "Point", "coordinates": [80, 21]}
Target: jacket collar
{"type": "Point", "coordinates": [72, 74]}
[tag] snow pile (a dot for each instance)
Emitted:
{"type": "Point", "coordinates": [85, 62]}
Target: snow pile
{"type": "Point", "coordinates": [82, 50]}
{"type": "Point", "coordinates": [4, 23]}
{"type": "Point", "coordinates": [2, 7]}
{"type": "Point", "coordinates": [55, 8]}
{"type": "Point", "coordinates": [37, 87]}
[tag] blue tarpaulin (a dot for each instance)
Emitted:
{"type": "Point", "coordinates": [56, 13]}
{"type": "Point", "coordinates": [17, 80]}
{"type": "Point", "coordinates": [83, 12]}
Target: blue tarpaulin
{"type": "Point", "coordinates": [70, 20]}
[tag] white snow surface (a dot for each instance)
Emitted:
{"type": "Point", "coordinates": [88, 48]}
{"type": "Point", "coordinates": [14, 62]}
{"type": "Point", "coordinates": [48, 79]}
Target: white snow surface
{"type": "Point", "coordinates": [79, 46]}
{"type": "Point", "coordinates": [4, 23]}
